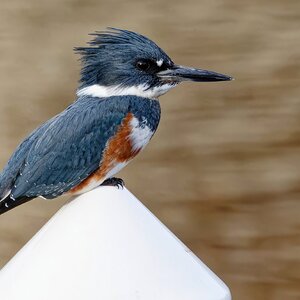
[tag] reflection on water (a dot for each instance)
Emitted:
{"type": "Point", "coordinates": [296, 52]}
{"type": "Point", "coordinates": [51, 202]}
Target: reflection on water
{"type": "Point", "coordinates": [223, 169]}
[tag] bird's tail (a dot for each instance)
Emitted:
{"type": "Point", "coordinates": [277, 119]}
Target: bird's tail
{"type": "Point", "coordinates": [8, 203]}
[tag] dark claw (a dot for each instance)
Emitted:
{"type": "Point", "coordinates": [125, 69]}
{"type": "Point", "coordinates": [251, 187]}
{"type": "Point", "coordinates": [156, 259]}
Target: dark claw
{"type": "Point", "coordinates": [114, 181]}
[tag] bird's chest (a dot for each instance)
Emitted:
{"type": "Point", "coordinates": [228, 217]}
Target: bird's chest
{"type": "Point", "coordinates": [140, 134]}
{"type": "Point", "coordinates": [135, 131]}
{"type": "Point", "coordinates": [131, 137]}
{"type": "Point", "coordinates": [144, 122]}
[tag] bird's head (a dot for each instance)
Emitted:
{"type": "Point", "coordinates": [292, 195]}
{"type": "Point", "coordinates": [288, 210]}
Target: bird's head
{"type": "Point", "coordinates": [122, 62]}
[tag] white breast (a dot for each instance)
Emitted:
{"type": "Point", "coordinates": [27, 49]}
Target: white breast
{"type": "Point", "coordinates": [140, 134]}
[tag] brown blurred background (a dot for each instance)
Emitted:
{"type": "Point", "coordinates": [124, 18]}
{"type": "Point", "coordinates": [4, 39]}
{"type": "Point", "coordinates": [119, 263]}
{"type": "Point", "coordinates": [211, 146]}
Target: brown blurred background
{"type": "Point", "coordinates": [223, 169]}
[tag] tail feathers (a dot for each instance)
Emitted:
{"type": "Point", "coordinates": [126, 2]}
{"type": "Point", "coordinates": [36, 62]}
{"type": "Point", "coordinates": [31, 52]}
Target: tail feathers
{"type": "Point", "coordinates": [8, 203]}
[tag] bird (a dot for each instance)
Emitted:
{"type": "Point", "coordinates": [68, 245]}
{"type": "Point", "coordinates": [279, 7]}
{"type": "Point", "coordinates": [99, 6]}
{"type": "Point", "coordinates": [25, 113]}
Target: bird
{"type": "Point", "coordinates": [114, 116]}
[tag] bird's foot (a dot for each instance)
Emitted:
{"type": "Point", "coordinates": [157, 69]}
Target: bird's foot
{"type": "Point", "coordinates": [113, 181]}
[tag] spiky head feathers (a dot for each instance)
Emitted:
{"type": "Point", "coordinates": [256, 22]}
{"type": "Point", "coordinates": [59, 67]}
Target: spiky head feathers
{"type": "Point", "coordinates": [121, 57]}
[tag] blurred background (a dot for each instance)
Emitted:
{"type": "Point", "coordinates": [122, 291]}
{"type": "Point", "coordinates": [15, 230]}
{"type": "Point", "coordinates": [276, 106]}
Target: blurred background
{"type": "Point", "coordinates": [223, 170]}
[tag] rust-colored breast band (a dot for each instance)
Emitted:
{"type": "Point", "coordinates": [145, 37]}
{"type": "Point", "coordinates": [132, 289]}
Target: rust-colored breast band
{"type": "Point", "coordinates": [118, 150]}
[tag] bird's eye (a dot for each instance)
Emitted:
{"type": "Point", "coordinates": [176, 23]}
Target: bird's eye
{"type": "Point", "coordinates": [143, 65]}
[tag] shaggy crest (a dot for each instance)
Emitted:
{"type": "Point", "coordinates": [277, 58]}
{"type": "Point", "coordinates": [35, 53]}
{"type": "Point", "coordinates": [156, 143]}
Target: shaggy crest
{"type": "Point", "coordinates": [112, 50]}
{"type": "Point", "coordinates": [114, 36]}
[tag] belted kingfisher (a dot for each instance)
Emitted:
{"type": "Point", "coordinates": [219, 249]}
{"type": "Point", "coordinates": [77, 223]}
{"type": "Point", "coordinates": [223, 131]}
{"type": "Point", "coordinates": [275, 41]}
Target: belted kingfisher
{"type": "Point", "coordinates": [113, 118]}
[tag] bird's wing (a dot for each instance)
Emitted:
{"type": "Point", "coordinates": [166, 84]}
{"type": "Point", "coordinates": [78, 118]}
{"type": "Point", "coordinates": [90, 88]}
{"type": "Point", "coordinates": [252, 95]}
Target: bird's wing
{"type": "Point", "coordinates": [70, 147]}
{"type": "Point", "coordinates": [15, 163]}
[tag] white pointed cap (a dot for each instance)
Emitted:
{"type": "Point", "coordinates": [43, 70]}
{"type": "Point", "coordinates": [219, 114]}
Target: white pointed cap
{"type": "Point", "coordinates": [106, 245]}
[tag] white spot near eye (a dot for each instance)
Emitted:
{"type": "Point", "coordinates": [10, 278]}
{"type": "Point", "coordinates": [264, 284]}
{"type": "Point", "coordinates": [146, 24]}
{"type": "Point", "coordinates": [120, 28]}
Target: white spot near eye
{"type": "Point", "coordinates": [159, 62]}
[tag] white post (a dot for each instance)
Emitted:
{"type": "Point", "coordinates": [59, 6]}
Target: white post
{"type": "Point", "coordinates": [105, 245]}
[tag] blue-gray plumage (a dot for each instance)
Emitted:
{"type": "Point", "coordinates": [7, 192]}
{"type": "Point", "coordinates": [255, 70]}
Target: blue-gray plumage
{"type": "Point", "coordinates": [119, 52]}
{"type": "Point", "coordinates": [114, 117]}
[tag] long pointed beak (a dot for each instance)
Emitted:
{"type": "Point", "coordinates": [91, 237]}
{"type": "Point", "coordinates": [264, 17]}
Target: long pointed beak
{"type": "Point", "coordinates": [181, 73]}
